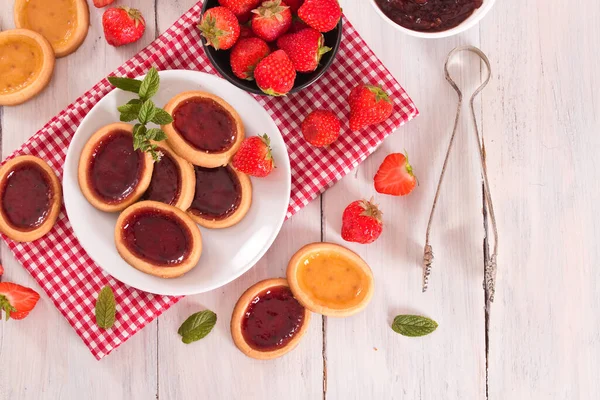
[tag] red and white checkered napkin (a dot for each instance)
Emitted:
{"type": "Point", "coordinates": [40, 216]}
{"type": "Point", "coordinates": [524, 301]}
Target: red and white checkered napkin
{"type": "Point", "coordinates": [68, 275]}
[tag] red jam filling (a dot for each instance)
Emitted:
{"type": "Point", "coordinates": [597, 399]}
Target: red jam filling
{"type": "Point", "coordinates": [272, 319]}
{"type": "Point", "coordinates": [165, 185]}
{"type": "Point", "coordinates": [205, 125]}
{"type": "Point", "coordinates": [218, 193]}
{"type": "Point", "coordinates": [26, 196]}
{"type": "Point", "coordinates": [115, 168]}
{"type": "Point", "coordinates": [428, 15]}
{"type": "Point", "coordinates": [157, 236]}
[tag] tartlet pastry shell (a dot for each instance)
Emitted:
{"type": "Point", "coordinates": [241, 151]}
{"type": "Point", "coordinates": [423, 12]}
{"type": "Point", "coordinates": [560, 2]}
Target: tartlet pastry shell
{"type": "Point", "coordinates": [187, 174]}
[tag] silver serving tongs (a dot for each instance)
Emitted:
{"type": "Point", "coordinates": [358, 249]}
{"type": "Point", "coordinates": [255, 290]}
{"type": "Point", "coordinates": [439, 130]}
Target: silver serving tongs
{"type": "Point", "coordinates": [490, 263]}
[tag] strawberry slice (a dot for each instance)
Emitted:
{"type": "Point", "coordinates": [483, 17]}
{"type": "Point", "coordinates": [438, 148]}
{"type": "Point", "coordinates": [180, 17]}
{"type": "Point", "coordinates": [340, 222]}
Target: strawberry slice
{"type": "Point", "coordinates": [17, 299]}
{"type": "Point", "coordinates": [102, 3]}
{"type": "Point", "coordinates": [395, 176]}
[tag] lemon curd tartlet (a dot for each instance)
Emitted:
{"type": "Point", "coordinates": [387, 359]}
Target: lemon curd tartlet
{"type": "Point", "coordinates": [26, 65]}
{"type": "Point", "coordinates": [64, 23]}
{"type": "Point", "coordinates": [205, 130]}
{"type": "Point", "coordinates": [31, 198]}
{"type": "Point", "coordinates": [330, 279]}
{"type": "Point", "coordinates": [267, 321]}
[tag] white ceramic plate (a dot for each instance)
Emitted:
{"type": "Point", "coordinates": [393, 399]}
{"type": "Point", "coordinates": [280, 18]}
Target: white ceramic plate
{"type": "Point", "coordinates": [227, 253]}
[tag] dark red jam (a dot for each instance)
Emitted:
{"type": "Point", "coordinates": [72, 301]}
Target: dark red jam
{"type": "Point", "coordinates": [428, 15]}
{"type": "Point", "coordinates": [204, 124]}
{"type": "Point", "coordinates": [272, 319]}
{"type": "Point", "coordinates": [165, 185]}
{"type": "Point", "coordinates": [218, 193]}
{"type": "Point", "coordinates": [26, 196]}
{"type": "Point", "coordinates": [115, 168]}
{"type": "Point", "coordinates": [157, 236]}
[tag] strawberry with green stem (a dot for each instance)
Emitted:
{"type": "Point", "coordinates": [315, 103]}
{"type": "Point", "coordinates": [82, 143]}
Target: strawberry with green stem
{"type": "Point", "coordinates": [255, 156]}
{"type": "Point", "coordinates": [395, 176]}
{"type": "Point", "coordinates": [123, 25]}
{"type": "Point", "coordinates": [369, 104]}
{"type": "Point", "coordinates": [17, 301]}
{"type": "Point", "coordinates": [275, 74]}
{"type": "Point", "coordinates": [220, 28]}
{"type": "Point", "coordinates": [361, 222]}
{"type": "Point", "coordinates": [246, 55]}
{"type": "Point", "coordinates": [271, 20]}
{"type": "Point", "coordinates": [305, 48]}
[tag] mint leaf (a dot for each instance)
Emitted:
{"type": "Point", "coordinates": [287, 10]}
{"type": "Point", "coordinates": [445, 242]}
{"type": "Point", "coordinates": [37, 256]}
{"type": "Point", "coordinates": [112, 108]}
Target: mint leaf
{"type": "Point", "coordinates": [126, 117]}
{"type": "Point", "coordinates": [129, 108]}
{"type": "Point", "coordinates": [153, 133]}
{"type": "Point", "coordinates": [150, 84]}
{"type": "Point", "coordinates": [197, 326]}
{"type": "Point", "coordinates": [162, 117]}
{"type": "Point", "coordinates": [106, 308]}
{"type": "Point", "coordinates": [413, 325]}
{"type": "Point", "coordinates": [126, 84]}
{"type": "Point", "coordinates": [147, 112]}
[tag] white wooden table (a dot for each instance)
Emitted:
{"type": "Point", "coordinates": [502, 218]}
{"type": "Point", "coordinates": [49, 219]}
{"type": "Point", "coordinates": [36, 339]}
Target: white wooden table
{"type": "Point", "coordinates": [540, 119]}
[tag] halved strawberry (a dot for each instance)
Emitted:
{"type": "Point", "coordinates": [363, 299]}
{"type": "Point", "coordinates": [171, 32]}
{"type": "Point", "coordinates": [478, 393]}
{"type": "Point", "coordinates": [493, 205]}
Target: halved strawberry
{"type": "Point", "coordinates": [17, 299]}
{"type": "Point", "coordinates": [395, 176]}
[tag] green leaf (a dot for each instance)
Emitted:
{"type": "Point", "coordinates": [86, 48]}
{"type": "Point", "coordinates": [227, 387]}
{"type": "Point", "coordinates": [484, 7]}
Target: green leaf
{"type": "Point", "coordinates": [413, 325]}
{"type": "Point", "coordinates": [126, 117]}
{"type": "Point", "coordinates": [6, 306]}
{"type": "Point", "coordinates": [197, 326]}
{"type": "Point", "coordinates": [106, 308]}
{"type": "Point", "coordinates": [127, 84]}
{"type": "Point", "coordinates": [135, 101]}
{"type": "Point", "coordinates": [150, 84]}
{"type": "Point", "coordinates": [153, 133]}
{"type": "Point", "coordinates": [147, 112]}
{"type": "Point", "coordinates": [129, 108]}
{"type": "Point", "coordinates": [162, 117]}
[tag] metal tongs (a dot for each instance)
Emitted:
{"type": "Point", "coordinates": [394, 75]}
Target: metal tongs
{"type": "Point", "coordinates": [489, 283]}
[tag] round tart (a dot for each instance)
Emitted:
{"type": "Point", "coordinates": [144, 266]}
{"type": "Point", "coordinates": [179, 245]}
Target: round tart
{"type": "Point", "coordinates": [222, 198]}
{"type": "Point", "coordinates": [173, 180]}
{"type": "Point", "coordinates": [26, 65]}
{"type": "Point", "coordinates": [112, 175]}
{"type": "Point", "coordinates": [330, 279]}
{"type": "Point", "coordinates": [31, 198]}
{"type": "Point", "coordinates": [158, 239]}
{"type": "Point", "coordinates": [267, 321]}
{"type": "Point", "coordinates": [63, 22]}
{"type": "Point", "coordinates": [205, 130]}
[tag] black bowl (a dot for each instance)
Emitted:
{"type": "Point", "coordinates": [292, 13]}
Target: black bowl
{"type": "Point", "coordinates": [220, 60]}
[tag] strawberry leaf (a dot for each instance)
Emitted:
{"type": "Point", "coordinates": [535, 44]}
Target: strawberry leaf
{"type": "Point", "coordinates": [106, 308]}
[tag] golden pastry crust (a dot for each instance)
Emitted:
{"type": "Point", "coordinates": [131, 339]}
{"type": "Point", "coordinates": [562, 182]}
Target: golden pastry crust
{"type": "Point", "coordinates": [77, 36]}
{"type": "Point", "coordinates": [43, 73]}
{"type": "Point", "coordinates": [147, 267]}
{"type": "Point", "coordinates": [188, 177]}
{"type": "Point", "coordinates": [306, 300]}
{"type": "Point", "coordinates": [238, 214]}
{"type": "Point", "coordinates": [84, 164]}
{"type": "Point", "coordinates": [191, 153]}
{"type": "Point", "coordinates": [19, 235]}
{"type": "Point", "coordinates": [238, 316]}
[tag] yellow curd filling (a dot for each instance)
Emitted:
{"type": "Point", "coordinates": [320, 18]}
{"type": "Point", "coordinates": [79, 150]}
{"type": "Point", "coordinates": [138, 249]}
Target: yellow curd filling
{"type": "Point", "coordinates": [332, 280]}
{"type": "Point", "coordinates": [56, 20]}
{"type": "Point", "coordinates": [20, 63]}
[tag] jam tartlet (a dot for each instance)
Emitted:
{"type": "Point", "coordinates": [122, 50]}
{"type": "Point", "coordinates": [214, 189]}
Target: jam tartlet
{"type": "Point", "coordinates": [112, 175]}
{"type": "Point", "coordinates": [330, 279]}
{"type": "Point", "coordinates": [173, 180]}
{"type": "Point", "coordinates": [31, 198]}
{"type": "Point", "coordinates": [26, 65]}
{"type": "Point", "coordinates": [222, 198]}
{"type": "Point", "coordinates": [63, 22]}
{"type": "Point", "coordinates": [205, 130]}
{"type": "Point", "coordinates": [158, 239]}
{"type": "Point", "coordinates": [267, 321]}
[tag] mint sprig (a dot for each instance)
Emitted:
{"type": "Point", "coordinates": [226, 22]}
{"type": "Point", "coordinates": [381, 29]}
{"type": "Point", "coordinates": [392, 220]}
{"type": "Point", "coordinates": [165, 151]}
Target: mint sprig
{"type": "Point", "coordinates": [144, 111]}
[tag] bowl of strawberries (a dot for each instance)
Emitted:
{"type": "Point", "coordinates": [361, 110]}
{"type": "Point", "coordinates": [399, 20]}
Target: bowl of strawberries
{"type": "Point", "coordinates": [271, 47]}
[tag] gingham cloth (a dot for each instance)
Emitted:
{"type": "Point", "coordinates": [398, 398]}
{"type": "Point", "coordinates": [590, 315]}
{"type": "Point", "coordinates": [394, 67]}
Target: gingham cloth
{"type": "Point", "coordinates": [65, 271]}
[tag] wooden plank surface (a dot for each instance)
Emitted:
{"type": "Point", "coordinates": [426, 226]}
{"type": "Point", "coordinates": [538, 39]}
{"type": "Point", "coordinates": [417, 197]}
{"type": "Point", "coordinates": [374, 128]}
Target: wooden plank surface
{"type": "Point", "coordinates": [540, 120]}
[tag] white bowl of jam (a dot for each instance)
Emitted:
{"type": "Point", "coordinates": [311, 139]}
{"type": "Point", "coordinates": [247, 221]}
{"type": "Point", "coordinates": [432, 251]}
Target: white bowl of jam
{"type": "Point", "coordinates": [432, 18]}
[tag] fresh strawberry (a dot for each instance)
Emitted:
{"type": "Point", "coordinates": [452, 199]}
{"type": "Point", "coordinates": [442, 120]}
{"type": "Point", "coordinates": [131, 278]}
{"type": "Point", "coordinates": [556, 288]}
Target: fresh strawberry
{"type": "Point", "coordinates": [240, 8]}
{"type": "Point", "coordinates": [275, 74]}
{"type": "Point", "coordinates": [368, 105]}
{"type": "Point", "coordinates": [246, 32]}
{"type": "Point", "coordinates": [245, 56]}
{"type": "Point", "coordinates": [271, 20]}
{"type": "Point", "coordinates": [102, 3]}
{"type": "Point", "coordinates": [294, 5]}
{"type": "Point", "coordinates": [361, 222]}
{"type": "Point", "coordinates": [304, 48]}
{"type": "Point", "coordinates": [297, 25]}
{"type": "Point", "coordinates": [220, 28]}
{"type": "Point", "coordinates": [321, 128]}
{"type": "Point", "coordinates": [395, 176]}
{"type": "Point", "coordinates": [323, 15]}
{"type": "Point", "coordinates": [19, 314]}
{"type": "Point", "coordinates": [1, 270]}
{"type": "Point", "coordinates": [17, 299]}
{"type": "Point", "coordinates": [123, 25]}
{"type": "Point", "coordinates": [254, 156]}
